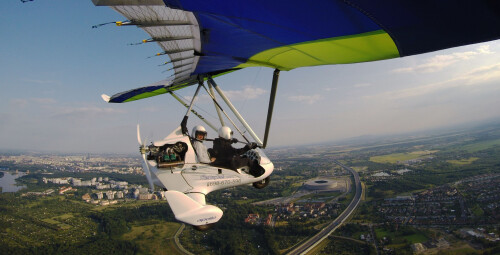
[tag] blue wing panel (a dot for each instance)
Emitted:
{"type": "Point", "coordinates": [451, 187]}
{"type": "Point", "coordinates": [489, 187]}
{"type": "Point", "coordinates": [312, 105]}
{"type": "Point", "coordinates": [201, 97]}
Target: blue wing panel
{"type": "Point", "coordinates": [429, 25]}
{"type": "Point", "coordinates": [122, 97]}
{"type": "Point", "coordinates": [236, 30]}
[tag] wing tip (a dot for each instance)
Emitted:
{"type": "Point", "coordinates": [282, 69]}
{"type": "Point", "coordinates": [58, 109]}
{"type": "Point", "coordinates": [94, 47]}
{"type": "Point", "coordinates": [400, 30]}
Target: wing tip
{"type": "Point", "coordinates": [106, 98]}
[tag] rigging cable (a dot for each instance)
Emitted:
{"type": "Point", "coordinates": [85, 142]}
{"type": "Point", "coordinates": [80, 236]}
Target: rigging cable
{"type": "Point", "coordinates": [246, 94]}
{"type": "Point", "coordinates": [197, 107]}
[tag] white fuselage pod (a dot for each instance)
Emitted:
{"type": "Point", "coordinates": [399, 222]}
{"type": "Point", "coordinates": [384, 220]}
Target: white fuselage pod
{"type": "Point", "coordinates": [196, 180]}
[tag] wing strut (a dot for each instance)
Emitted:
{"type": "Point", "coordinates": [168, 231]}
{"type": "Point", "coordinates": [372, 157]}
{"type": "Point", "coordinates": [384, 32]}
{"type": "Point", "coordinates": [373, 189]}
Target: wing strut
{"type": "Point", "coordinates": [193, 111]}
{"type": "Point", "coordinates": [222, 110]}
{"type": "Point", "coordinates": [184, 120]}
{"type": "Point", "coordinates": [216, 107]}
{"type": "Point", "coordinates": [236, 113]}
{"type": "Point", "coordinates": [274, 87]}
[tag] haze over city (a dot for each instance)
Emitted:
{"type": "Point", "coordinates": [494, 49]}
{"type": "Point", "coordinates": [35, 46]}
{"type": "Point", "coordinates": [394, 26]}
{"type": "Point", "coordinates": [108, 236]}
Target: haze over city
{"type": "Point", "coordinates": [55, 67]}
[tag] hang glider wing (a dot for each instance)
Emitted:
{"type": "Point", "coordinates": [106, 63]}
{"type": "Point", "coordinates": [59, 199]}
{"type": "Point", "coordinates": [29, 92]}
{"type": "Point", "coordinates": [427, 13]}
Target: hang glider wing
{"type": "Point", "coordinates": [154, 89]}
{"type": "Point", "coordinates": [212, 37]}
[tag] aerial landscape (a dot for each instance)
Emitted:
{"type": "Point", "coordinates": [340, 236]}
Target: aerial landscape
{"type": "Point", "coordinates": [427, 193]}
{"type": "Point", "coordinates": [249, 127]}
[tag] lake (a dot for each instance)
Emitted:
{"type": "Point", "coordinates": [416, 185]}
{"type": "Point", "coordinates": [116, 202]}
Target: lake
{"type": "Point", "coordinates": [8, 182]}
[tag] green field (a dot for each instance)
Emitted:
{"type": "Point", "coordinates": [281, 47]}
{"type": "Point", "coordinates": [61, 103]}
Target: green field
{"type": "Point", "coordinates": [474, 147]}
{"type": "Point", "coordinates": [359, 168]}
{"type": "Point", "coordinates": [154, 237]}
{"type": "Point", "coordinates": [415, 237]}
{"type": "Point", "coordinates": [462, 161]}
{"type": "Point", "coordinates": [246, 201]}
{"type": "Point", "coordinates": [57, 223]}
{"type": "Point", "coordinates": [327, 196]}
{"type": "Point", "coordinates": [395, 157]}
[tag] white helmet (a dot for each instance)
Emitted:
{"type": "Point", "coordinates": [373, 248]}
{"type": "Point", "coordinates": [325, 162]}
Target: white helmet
{"type": "Point", "coordinates": [199, 130]}
{"type": "Point", "coordinates": [225, 132]}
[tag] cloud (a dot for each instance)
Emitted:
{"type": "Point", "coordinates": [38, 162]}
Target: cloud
{"type": "Point", "coordinates": [150, 109]}
{"type": "Point", "coordinates": [481, 75]}
{"type": "Point", "coordinates": [305, 99]}
{"type": "Point", "coordinates": [246, 93]}
{"type": "Point", "coordinates": [362, 85]}
{"type": "Point", "coordinates": [439, 62]}
{"type": "Point", "coordinates": [87, 111]}
{"type": "Point", "coordinates": [330, 89]}
{"type": "Point", "coordinates": [18, 102]}
{"type": "Point", "coordinates": [43, 100]}
{"type": "Point", "coordinates": [484, 49]}
{"type": "Point", "coordinates": [475, 77]}
{"type": "Point", "coordinates": [41, 81]}
{"type": "Point", "coordinates": [23, 102]}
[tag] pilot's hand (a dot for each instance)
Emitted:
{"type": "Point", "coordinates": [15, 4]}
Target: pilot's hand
{"type": "Point", "coordinates": [252, 145]}
{"type": "Point", "coordinates": [234, 140]}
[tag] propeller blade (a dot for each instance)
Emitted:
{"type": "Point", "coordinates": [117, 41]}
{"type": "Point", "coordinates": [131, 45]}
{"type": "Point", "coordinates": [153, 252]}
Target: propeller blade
{"type": "Point", "coordinates": [145, 167]}
{"type": "Point", "coordinates": [139, 135]}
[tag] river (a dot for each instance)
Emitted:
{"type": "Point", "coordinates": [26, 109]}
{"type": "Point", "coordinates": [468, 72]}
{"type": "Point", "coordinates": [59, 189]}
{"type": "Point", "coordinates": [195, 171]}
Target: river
{"type": "Point", "coordinates": [8, 182]}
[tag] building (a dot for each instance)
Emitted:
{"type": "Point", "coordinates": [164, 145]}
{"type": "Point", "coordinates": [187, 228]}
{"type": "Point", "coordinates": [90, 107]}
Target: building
{"type": "Point", "coordinates": [76, 182]}
{"type": "Point", "coordinates": [147, 196]}
{"type": "Point", "coordinates": [102, 186]}
{"type": "Point", "coordinates": [110, 195]}
{"type": "Point", "coordinates": [119, 194]}
{"type": "Point", "coordinates": [321, 184]}
{"type": "Point", "coordinates": [136, 193]}
{"type": "Point", "coordinates": [64, 189]}
{"type": "Point", "coordinates": [86, 197]}
{"type": "Point", "coordinates": [253, 218]}
{"type": "Point", "coordinates": [99, 195]}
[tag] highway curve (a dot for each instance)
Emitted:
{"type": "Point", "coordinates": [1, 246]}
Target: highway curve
{"type": "Point", "coordinates": [321, 235]}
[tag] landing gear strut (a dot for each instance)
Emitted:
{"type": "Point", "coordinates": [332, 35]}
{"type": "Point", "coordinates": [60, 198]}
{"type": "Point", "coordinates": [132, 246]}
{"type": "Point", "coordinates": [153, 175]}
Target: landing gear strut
{"type": "Point", "coordinates": [262, 184]}
{"type": "Point", "coordinates": [204, 227]}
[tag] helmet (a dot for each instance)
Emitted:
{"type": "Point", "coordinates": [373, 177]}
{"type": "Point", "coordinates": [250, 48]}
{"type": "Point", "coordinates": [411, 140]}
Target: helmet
{"type": "Point", "coordinates": [199, 130]}
{"type": "Point", "coordinates": [225, 132]}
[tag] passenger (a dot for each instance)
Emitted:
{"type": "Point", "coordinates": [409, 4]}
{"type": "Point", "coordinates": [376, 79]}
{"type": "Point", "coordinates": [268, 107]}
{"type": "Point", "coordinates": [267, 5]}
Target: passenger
{"type": "Point", "coordinates": [199, 134]}
{"type": "Point", "coordinates": [224, 153]}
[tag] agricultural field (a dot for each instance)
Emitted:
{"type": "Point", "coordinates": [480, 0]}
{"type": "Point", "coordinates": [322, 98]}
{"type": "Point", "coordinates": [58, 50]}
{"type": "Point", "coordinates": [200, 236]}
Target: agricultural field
{"type": "Point", "coordinates": [406, 235]}
{"type": "Point", "coordinates": [155, 237]}
{"type": "Point", "coordinates": [467, 161]}
{"type": "Point", "coordinates": [479, 146]}
{"type": "Point", "coordinates": [344, 246]}
{"type": "Point", "coordinates": [47, 220]}
{"type": "Point", "coordinates": [400, 157]}
{"type": "Point", "coordinates": [323, 196]}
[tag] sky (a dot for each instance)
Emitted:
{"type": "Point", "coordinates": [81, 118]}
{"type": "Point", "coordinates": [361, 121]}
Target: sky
{"type": "Point", "coordinates": [54, 67]}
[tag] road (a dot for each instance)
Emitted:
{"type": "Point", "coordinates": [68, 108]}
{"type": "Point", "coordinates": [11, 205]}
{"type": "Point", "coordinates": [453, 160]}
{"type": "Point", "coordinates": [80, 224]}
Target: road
{"type": "Point", "coordinates": [316, 239]}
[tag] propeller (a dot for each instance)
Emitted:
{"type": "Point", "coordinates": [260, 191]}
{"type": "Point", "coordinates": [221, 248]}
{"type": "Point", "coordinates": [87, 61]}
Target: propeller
{"type": "Point", "coordinates": [145, 167]}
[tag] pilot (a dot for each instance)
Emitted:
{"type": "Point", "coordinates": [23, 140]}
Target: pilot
{"type": "Point", "coordinates": [225, 154]}
{"type": "Point", "coordinates": [199, 135]}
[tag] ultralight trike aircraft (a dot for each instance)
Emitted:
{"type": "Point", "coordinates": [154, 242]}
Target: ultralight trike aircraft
{"type": "Point", "coordinates": [173, 165]}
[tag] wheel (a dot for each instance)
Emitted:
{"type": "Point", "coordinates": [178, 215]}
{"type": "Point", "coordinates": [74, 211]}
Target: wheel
{"type": "Point", "coordinates": [262, 184]}
{"type": "Point", "coordinates": [204, 227]}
